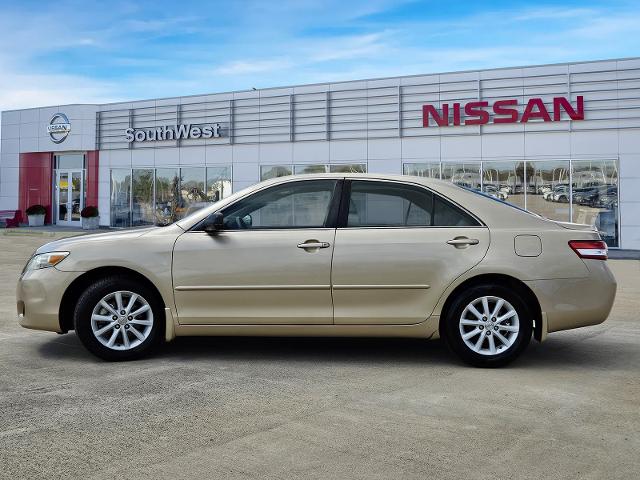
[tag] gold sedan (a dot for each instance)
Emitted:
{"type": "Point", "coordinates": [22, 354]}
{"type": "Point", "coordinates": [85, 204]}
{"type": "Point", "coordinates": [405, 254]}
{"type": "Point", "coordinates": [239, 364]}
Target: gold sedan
{"type": "Point", "coordinates": [327, 255]}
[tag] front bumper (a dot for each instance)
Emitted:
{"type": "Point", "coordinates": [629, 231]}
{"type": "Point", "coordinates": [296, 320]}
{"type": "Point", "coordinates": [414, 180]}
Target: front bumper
{"type": "Point", "coordinates": [577, 302]}
{"type": "Point", "coordinates": [38, 297]}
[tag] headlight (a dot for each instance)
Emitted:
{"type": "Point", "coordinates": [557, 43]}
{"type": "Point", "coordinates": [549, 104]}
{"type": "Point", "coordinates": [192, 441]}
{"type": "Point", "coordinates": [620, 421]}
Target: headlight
{"type": "Point", "coordinates": [45, 260]}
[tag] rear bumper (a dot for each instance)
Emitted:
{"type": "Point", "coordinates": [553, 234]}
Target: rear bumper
{"type": "Point", "coordinates": [38, 297]}
{"type": "Point", "coordinates": [577, 302]}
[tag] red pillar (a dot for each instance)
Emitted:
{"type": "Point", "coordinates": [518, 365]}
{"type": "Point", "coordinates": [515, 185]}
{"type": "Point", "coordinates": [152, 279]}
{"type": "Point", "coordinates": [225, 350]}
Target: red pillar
{"type": "Point", "coordinates": [35, 182]}
{"type": "Point", "coordinates": [92, 178]}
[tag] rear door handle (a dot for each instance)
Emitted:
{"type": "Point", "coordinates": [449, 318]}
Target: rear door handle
{"type": "Point", "coordinates": [463, 241]}
{"type": "Point", "coordinates": [314, 244]}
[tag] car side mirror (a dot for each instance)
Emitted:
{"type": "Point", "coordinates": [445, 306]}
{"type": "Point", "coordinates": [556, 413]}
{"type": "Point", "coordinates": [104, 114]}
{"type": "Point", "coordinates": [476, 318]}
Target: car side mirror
{"type": "Point", "coordinates": [214, 223]}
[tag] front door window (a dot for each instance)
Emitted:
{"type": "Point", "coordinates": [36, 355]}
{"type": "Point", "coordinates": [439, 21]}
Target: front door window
{"type": "Point", "coordinates": [303, 204]}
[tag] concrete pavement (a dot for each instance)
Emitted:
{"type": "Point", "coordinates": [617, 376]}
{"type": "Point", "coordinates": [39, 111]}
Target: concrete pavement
{"type": "Point", "coordinates": [319, 408]}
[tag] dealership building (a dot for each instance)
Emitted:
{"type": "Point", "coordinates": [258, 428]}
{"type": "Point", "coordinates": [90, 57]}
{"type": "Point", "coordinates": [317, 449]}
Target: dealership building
{"type": "Point", "coordinates": [560, 140]}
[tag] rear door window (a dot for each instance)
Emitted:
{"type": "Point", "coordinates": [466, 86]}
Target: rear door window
{"type": "Point", "coordinates": [391, 204]}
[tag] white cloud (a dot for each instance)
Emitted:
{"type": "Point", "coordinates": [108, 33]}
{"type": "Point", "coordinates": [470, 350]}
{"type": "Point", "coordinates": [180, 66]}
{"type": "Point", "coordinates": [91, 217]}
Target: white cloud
{"type": "Point", "coordinates": [551, 13]}
{"type": "Point", "coordinates": [348, 47]}
{"type": "Point", "coordinates": [18, 90]}
{"type": "Point", "coordinates": [244, 67]}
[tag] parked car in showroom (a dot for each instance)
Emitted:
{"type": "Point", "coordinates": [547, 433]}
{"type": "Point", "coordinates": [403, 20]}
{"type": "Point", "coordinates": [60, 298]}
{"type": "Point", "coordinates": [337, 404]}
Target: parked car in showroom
{"type": "Point", "coordinates": [607, 200]}
{"type": "Point", "coordinates": [494, 192]}
{"type": "Point", "coordinates": [587, 195]}
{"type": "Point", "coordinates": [548, 192]}
{"type": "Point", "coordinates": [327, 255]}
{"type": "Point", "coordinates": [560, 193]}
{"type": "Point", "coordinates": [583, 196]}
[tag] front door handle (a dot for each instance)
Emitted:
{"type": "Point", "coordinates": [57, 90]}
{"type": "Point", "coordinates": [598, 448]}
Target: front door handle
{"type": "Point", "coordinates": [463, 242]}
{"type": "Point", "coordinates": [314, 244]}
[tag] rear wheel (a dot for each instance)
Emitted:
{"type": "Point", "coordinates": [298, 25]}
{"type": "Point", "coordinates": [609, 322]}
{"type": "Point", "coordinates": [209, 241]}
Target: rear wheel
{"type": "Point", "coordinates": [488, 325]}
{"type": "Point", "coordinates": [117, 318]}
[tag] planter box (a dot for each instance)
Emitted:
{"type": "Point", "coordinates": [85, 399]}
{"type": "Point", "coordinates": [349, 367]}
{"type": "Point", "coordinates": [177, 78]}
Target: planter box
{"type": "Point", "coordinates": [90, 223]}
{"type": "Point", "coordinates": [36, 220]}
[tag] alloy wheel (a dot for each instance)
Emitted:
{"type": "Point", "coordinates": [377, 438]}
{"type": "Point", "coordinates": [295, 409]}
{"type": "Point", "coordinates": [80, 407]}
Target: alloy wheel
{"type": "Point", "coordinates": [489, 325]}
{"type": "Point", "coordinates": [122, 320]}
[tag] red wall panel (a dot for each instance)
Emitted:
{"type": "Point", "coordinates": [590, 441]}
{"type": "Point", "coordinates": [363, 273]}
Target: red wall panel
{"type": "Point", "coordinates": [92, 178]}
{"type": "Point", "coordinates": [35, 182]}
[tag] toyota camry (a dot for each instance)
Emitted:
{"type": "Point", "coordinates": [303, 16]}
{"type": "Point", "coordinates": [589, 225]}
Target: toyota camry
{"type": "Point", "coordinates": [327, 255]}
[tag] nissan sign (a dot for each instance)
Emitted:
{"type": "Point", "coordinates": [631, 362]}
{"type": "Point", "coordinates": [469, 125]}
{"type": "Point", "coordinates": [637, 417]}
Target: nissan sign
{"type": "Point", "coordinates": [173, 132]}
{"type": "Point", "coordinates": [59, 128]}
{"type": "Point", "coordinates": [504, 111]}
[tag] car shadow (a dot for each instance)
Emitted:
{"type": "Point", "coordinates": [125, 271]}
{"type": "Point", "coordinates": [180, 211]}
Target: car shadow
{"type": "Point", "coordinates": [267, 349]}
{"type": "Point", "coordinates": [307, 349]}
{"type": "Point", "coordinates": [64, 348]}
{"type": "Point", "coordinates": [558, 352]}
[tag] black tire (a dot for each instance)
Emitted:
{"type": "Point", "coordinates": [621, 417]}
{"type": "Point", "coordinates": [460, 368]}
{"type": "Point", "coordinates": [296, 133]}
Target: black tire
{"type": "Point", "coordinates": [90, 298]}
{"type": "Point", "coordinates": [450, 328]}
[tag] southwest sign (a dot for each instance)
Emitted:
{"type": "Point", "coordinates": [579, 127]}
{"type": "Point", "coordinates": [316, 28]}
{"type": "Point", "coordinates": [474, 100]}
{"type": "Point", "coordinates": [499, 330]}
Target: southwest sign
{"type": "Point", "coordinates": [173, 132]}
{"type": "Point", "coordinates": [504, 111]}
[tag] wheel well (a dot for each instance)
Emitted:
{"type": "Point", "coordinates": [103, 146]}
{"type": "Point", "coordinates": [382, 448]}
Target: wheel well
{"type": "Point", "coordinates": [75, 289]}
{"type": "Point", "coordinates": [523, 290]}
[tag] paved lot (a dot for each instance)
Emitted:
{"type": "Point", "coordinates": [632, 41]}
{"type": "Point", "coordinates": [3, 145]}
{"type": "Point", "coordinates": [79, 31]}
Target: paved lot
{"type": "Point", "coordinates": [316, 408]}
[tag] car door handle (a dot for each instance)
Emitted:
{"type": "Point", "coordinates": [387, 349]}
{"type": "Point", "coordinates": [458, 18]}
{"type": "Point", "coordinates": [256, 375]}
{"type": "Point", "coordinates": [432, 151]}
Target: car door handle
{"type": "Point", "coordinates": [463, 241]}
{"type": "Point", "coordinates": [314, 244]}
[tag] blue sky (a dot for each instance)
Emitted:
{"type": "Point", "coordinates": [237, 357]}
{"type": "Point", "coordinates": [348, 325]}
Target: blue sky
{"type": "Point", "coordinates": [56, 52]}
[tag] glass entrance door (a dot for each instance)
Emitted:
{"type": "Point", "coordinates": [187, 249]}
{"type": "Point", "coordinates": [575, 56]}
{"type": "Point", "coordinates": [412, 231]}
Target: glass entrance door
{"type": "Point", "coordinates": [70, 197]}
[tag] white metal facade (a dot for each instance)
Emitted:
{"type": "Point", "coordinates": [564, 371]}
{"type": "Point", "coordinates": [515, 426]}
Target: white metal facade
{"type": "Point", "coordinates": [373, 122]}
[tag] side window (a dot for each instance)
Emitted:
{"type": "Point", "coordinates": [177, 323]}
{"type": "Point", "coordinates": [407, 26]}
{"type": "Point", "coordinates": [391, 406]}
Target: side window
{"type": "Point", "coordinates": [447, 214]}
{"type": "Point", "coordinates": [386, 204]}
{"type": "Point", "coordinates": [303, 204]}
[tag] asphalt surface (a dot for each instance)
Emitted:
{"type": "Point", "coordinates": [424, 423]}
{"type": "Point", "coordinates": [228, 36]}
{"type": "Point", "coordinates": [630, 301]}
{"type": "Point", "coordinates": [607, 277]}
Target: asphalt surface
{"type": "Point", "coordinates": [319, 408]}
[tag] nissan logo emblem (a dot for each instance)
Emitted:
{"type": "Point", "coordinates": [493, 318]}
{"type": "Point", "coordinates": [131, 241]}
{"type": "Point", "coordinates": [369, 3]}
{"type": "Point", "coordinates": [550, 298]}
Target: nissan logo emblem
{"type": "Point", "coordinates": [59, 128]}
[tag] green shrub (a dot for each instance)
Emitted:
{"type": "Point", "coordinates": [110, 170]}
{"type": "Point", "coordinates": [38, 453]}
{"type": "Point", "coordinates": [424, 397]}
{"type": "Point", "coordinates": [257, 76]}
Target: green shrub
{"type": "Point", "coordinates": [36, 210]}
{"type": "Point", "coordinates": [89, 212]}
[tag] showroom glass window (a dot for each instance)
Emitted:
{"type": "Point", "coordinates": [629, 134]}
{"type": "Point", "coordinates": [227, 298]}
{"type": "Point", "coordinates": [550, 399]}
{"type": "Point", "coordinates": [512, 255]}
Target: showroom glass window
{"type": "Point", "coordinates": [548, 189]}
{"type": "Point", "coordinates": [595, 196]}
{"type": "Point", "coordinates": [273, 171]}
{"type": "Point", "coordinates": [163, 195]}
{"type": "Point", "coordinates": [120, 197]}
{"type": "Point", "coordinates": [218, 183]}
{"type": "Point", "coordinates": [167, 195]}
{"type": "Point", "coordinates": [312, 168]}
{"type": "Point", "coordinates": [303, 204]}
{"type": "Point", "coordinates": [142, 211]}
{"type": "Point", "coordinates": [504, 181]}
{"type": "Point", "coordinates": [192, 192]}
{"type": "Point", "coordinates": [463, 174]}
{"type": "Point", "coordinates": [348, 168]}
{"type": "Point", "coordinates": [428, 170]}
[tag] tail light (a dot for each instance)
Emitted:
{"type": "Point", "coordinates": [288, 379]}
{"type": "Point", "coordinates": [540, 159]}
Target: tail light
{"type": "Point", "coordinates": [595, 249]}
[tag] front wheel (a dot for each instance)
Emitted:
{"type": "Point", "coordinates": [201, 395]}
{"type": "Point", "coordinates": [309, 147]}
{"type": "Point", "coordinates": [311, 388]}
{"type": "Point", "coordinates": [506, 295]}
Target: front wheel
{"type": "Point", "coordinates": [117, 318]}
{"type": "Point", "coordinates": [488, 326]}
